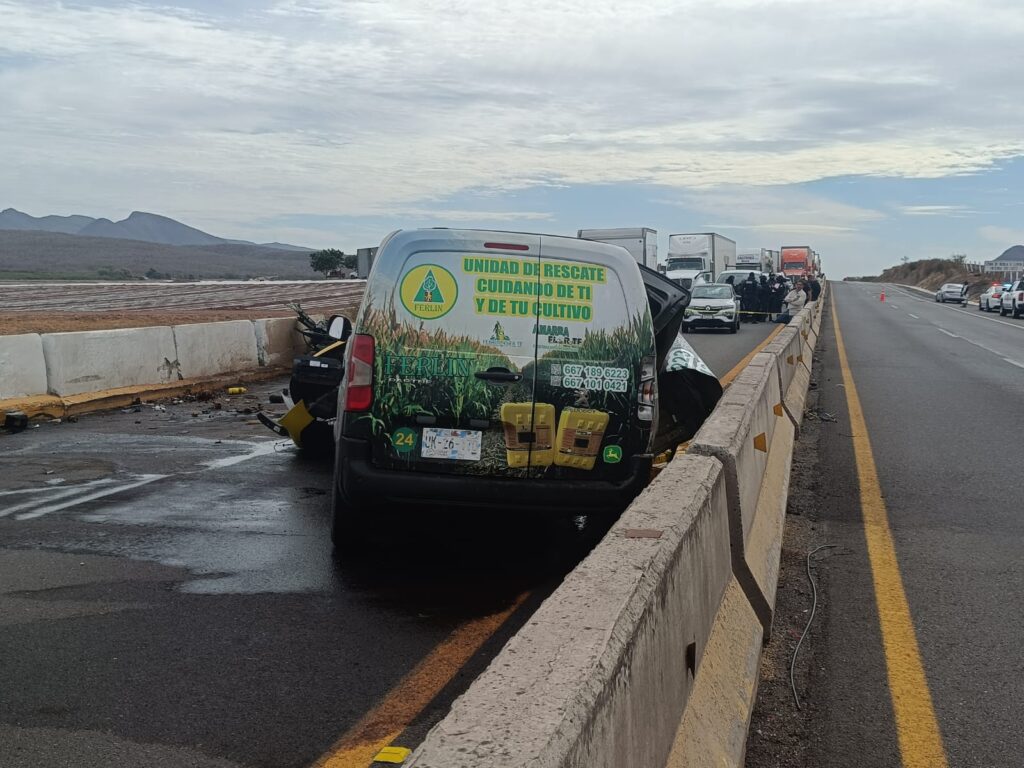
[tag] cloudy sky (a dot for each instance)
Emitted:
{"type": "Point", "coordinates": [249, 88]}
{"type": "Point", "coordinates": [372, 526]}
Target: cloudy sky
{"type": "Point", "coordinates": [870, 130]}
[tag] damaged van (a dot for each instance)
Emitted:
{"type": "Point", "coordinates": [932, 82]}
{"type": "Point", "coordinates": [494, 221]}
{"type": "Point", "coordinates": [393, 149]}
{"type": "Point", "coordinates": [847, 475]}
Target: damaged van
{"type": "Point", "coordinates": [510, 370]}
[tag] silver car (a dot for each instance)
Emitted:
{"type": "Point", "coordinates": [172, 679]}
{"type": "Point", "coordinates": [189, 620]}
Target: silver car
{"type": "Point", "coordinates": [954, 292]}
{"type": "Point", "coordinates": [713, 306]}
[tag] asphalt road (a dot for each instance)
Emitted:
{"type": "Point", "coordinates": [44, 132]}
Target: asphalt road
{"type": "Point", "coordinates": [168, 595]}
{"type": "Point", "coordinates": [721, 350]}
{"type": "Point", "coordinates": [941, 389]}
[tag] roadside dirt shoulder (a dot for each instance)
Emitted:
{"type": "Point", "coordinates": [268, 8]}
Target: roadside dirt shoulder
{"type": "Point", "coordinates": [780, 734]}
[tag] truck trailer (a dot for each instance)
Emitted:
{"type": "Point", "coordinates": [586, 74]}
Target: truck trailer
{"type": "Point", "coordinates": [700, 252]}
{"type": "Point", "coordinates": [641, 242]}
{"type": "Point", "coordinates": [755, 259]}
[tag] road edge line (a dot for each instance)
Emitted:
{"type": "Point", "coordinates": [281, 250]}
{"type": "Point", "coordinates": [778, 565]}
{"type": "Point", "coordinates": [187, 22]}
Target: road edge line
{"type": "Point", "coordinates": [917, 728]}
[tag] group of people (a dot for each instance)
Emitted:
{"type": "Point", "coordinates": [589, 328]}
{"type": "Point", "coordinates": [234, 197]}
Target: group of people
{"type": "Point", "coordinates": [770, 299]}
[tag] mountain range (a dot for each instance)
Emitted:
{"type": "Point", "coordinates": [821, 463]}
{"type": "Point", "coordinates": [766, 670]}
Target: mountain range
{"type": "Point", "coordinates": [141, 226]}
{"type": "Point", "coordinates": [142, 245]}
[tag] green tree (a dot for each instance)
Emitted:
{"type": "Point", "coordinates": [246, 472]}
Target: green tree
{"type": "Point", "coordinates": [326, 261]}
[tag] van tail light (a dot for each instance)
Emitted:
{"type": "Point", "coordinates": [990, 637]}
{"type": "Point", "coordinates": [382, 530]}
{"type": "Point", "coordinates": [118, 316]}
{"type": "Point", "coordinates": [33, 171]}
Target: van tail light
{"type": "Point", "coordinates": [359, 376]}
{"type": "Point", "coordinates": [648, 392]}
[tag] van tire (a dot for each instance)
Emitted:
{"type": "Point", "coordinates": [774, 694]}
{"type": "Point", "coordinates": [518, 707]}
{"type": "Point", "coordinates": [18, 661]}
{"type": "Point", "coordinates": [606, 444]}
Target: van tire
{"type": "Point", "coordinates": [348, 528]}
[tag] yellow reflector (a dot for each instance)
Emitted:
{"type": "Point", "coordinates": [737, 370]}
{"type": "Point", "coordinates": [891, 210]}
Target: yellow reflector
{"type": "Point", "coordinates": [296, 420]}
{"type": "Point", "coordinates": [395, 755]}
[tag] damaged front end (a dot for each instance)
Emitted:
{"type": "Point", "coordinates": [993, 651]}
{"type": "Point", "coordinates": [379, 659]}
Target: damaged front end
{"type": "Point", "coordinates": [688, 391]}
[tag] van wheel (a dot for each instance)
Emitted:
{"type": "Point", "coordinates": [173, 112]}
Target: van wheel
{"type": "Point", "coordinates": [1002, 311]}
{"type": "Point", "coordinates": [348, 526]}
{"type": "Point", "coordinates": [734, 327]}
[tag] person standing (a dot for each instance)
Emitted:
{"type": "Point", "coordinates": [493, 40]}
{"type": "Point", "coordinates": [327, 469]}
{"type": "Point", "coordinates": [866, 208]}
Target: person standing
{"type": "Point", "coordinates": [797, 298]}
{"type": "Point", "coordinates": [815, 287]}
{"type": "Point", "coordinates": [748, 300]}
{"type": "Point", "coordinates": [779, 292]}
{"type": "Point", "coordinates": [764, 297]}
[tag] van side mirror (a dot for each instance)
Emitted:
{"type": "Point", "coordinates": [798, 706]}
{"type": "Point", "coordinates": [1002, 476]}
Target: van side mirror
{"type": "Point", "coordinates": [339, 327]}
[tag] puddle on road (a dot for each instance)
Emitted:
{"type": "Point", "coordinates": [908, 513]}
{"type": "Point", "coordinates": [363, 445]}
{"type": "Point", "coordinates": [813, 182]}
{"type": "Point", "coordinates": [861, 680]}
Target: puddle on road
{"type": "Point", "coordinates": [241, 521]}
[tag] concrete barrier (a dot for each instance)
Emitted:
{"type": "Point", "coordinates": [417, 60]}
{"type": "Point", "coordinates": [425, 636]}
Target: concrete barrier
{"type": "Point", "coordinates": [22, 366]}
{"type": "Point", "coordinates": [751, 435]}
{"type": "Point", "coordinates": [278, 341]}
{"type": "Point", "coordinates": [624, 644]}
{"type": "Point", "coordinates": [602, 672]}
{"type": "Point", "coordinates": [87, 361]}
{"type": "Point", "coordinates": [713, 732]}
{"type": "Point", "coordinates": [210, 349]}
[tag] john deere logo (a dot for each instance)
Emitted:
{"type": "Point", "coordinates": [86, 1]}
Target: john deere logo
{"type": "Point", "coordinates": [612, 454]}
{"type": "Point", "coordinates": [428, 291]}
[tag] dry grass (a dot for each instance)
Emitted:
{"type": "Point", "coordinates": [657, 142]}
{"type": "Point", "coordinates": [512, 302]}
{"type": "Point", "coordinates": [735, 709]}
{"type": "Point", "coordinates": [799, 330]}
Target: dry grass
{"type": "Point", "coordinates": [932, 273]}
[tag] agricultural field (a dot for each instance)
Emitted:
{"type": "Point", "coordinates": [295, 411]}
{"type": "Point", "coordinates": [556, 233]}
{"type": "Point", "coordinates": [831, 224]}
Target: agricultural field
{"type": "Point", "coordinates": [38, 307]}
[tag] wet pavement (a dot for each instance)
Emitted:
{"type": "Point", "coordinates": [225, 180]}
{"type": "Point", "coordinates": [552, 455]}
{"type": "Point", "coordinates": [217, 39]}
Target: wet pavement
{"type": "Point", "coordinates": [168, 593]}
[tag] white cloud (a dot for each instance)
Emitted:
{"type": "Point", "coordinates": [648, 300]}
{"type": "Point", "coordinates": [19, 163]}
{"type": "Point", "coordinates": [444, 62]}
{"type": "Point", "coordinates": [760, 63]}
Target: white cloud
{"type": "Point", "coordinates": [1002, 236]}
{"type": "Point", "coordinates": [358, 107]}
{"type": "Point", "coordinates": [936, 210]}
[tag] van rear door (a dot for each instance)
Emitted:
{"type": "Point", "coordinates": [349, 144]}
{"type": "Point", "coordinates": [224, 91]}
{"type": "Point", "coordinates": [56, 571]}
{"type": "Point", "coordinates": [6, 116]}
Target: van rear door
{"type": "Point", "coordinates": [452, 317]}
{"type": "Point", "coordinates": [596, 363]}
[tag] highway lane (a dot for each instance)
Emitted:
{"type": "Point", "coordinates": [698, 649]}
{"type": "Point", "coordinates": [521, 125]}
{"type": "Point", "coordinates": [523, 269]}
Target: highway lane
{"type": "Point", "coordinates": [168, 595]}
{"type": "Point", "coordinates": [939, 388]}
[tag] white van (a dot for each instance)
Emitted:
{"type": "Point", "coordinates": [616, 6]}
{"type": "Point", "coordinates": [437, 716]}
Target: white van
{"type": "Point", "coordinates": [501, 369]}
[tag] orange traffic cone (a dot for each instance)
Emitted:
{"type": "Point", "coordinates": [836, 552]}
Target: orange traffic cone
{"type": "Point", "coordinates": [882, 297]}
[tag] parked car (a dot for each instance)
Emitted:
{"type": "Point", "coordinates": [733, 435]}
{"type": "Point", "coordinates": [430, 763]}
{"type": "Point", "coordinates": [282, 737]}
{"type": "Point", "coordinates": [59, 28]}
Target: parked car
{"type": "Point", "coordinates": [687, 279]}
{"type": "Point", "coordinates": [954, 292]}
{"type": "Point", "coordinates": [512, 372]}
{"type": "Point", "coordinates": [990, 300]}
{"type": "Point", "coordinates": [1012, 300]}
{"type": "Point", "coordinates": [713, 306]}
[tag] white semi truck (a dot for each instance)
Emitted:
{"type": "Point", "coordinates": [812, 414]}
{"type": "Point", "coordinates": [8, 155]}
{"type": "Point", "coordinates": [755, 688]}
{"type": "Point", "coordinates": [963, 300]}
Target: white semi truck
{"type": "Point", "coordinates": [641, 242]}
{"type": "Point", "coordinates": [698, 257]}
{"type": "Point", "coordinates": [756, 260]}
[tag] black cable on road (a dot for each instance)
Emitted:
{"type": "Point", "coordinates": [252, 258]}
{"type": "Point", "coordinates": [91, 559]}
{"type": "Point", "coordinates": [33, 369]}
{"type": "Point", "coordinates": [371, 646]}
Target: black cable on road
{"type": "Point", "coordinates": [814, 607]}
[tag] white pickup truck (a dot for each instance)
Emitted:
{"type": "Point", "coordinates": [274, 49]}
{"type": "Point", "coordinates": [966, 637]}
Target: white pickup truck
{"type": "Point", "coordinates": [1012, 301]}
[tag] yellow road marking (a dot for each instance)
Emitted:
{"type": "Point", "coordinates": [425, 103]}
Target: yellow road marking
{"type": "Point", "coordinates": [916, 726]}
{"type": "Point", "coordinates": [384, 723]}
{"type": "Point", "coordinates": [735, 371]}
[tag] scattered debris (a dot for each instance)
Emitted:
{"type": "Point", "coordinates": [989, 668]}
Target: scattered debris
{"type": "Point", "coordinates": [815, 414]}
{"type": "Point", "coordinates": [15, 421]}
{"type": "Point", "coordinates": [276, 398]}
{"type": "Point", "coordinates": [237, 390]}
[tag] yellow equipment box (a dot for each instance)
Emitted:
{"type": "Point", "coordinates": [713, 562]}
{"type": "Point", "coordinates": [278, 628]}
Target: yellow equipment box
{"type": "Point", "coordinates": [579, 438]}
{"type": "Point", "coordinates": [529, 426]}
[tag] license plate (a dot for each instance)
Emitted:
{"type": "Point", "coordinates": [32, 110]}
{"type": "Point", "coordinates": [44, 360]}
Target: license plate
{"type": "Point", "coordinates": [451, 444]}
